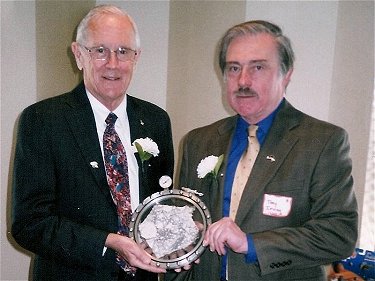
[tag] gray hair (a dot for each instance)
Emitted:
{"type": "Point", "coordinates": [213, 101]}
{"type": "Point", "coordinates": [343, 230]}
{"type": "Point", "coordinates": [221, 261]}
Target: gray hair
{"type": "Point", "coordinates": [82, 29]}
{"type": "Point", "coordinates": [286, 54]}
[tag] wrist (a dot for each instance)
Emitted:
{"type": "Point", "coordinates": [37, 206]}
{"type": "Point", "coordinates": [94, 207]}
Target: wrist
{"type": "Point", "coordinates": [112, 240]}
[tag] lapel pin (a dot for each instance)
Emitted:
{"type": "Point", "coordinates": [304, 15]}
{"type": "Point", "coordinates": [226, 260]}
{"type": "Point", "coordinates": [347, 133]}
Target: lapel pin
{"type": "Point", "coordinates": [94, 164]}
{"type": "Point", "coordinates": [271, 158]}
{"type": "Point", "coordinates": [141, 121]}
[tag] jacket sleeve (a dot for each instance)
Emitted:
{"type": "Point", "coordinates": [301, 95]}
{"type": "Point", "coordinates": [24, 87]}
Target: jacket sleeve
{"type": "Point", "coordinates": [331, 232]}
{"type": "Point", "coordinates": [38, 224]}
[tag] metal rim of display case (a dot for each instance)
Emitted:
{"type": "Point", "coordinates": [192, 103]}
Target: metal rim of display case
{"type": "Point", "coordinates": [157, 198]}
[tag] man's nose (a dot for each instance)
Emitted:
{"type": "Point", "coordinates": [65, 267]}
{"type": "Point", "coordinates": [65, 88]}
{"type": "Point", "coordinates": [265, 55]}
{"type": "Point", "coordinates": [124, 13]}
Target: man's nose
{"type": "Point", "coordinates": [112, 60]}
{"type": "Point", "coordinates": [245, 78]}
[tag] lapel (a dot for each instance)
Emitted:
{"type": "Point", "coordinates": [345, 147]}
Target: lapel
{"type": "Point", "coordinates": [81, 121]}
{"type": "Point", "coordinates": [221, 143]}
{"type": "Point", "coordinates": [137, 119]}
{"type": "Point", "coordinates": [279, 142]}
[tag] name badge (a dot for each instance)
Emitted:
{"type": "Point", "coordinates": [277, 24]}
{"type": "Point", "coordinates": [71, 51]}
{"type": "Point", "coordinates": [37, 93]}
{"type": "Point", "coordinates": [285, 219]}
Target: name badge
{"type": "Point", "coordinates": [276, 205]}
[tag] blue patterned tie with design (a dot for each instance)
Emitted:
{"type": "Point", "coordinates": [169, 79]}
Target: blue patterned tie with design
{"type": "Point", "coordinates": [116, 167]}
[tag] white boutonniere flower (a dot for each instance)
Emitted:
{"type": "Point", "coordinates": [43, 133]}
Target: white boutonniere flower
{"type": "Point", "coordinates": [146, 148]}
{"type": "Point", "coordinates": [209, 166]}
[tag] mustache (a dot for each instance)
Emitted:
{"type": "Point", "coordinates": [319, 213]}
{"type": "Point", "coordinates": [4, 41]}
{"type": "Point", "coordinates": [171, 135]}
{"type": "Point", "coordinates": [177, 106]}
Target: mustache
{"type": "Point", "coordinates": [245, 91]}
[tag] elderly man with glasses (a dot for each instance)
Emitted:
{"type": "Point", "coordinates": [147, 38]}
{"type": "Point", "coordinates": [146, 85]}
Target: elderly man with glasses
{"type": "Point", "coordinates": [76, 175]}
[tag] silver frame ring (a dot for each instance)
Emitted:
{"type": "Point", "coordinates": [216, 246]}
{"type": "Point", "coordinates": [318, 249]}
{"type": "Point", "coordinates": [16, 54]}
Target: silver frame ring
{"type": "Point", "coordinates": [159, 198]}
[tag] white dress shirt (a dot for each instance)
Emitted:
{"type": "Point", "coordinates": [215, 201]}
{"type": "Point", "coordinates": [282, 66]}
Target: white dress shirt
{"type": "Point", "coordinates": [123, 130]}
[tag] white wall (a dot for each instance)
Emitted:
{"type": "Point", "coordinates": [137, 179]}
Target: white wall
{"type": "Point", "coordinates": [178, 70]}
{"type": "Point", "coordinates": [311, 26]}
{"type": "Point", "coordinates": [150, 78]}
{"type": "Point", "coordinates": [18, 84]}
{"type": "Point", "coordinates": [56, 70]}
{"type": "Point", "coordinates": [195, 95]}
{"type": "Point", "coordinates": [334, 72]}
{"type": "Point", "coordinates": [352, 90]}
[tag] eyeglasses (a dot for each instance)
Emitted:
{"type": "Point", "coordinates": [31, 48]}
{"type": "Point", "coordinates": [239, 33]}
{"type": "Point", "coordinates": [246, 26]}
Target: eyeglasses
{"type": "Point", "coordinates": [103, 53]}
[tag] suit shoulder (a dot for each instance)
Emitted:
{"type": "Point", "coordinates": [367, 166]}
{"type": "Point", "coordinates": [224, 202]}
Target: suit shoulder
{"type": "Point", "coordinates": [312, 130]}
{"type": "Point", "coordinates": [140, 104]}
{"type": "Point", "coordinates": [307, 122]}
{"type": "Point", "coordinates": [49, 105]}
{"type": "Point", "coordinates": [218, 127]}
{"type": "Point", "coordinates": [317, 125]}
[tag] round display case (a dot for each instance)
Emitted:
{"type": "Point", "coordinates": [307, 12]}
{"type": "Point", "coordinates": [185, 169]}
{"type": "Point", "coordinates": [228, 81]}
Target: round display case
{"type": "Point", "coordinates": [170, 225]}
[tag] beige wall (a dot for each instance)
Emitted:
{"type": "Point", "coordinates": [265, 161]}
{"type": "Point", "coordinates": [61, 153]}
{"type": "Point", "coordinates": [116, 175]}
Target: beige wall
{"type": "Point", "coordinates": [18, 89]}
{"type": "Point", "coordinates": [194, 94]}
{"type": "Point", "coordinates": [353, 87]}
{"type": "Point", "coordinates": [334, 73]}
{"type": "Point", "coordinates": [333, 79]}
{"type": "Point", "coordinates": [150, 78]}
{"type": "Point", "coordinates": [35, 64]}
{"type": "Point", "coordinates": [55, 23]}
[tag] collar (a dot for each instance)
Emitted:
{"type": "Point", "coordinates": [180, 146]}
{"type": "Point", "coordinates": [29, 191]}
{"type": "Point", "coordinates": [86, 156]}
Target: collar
{"type": "Point", "coordinates": [102, 112]}
{"type": "Point", "coordinates": [265, 124]}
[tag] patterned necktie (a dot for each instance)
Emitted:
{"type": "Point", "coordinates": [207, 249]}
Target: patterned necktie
{"type": "Point", "coordinates": [116, 167]}
{"type": "Point", "coordinates": [243, 170]}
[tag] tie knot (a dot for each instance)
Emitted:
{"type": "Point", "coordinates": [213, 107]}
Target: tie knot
{"type": "Point", "coordinates": [111, 119]}
{"type": "Point", "coordinates": [253, 130]}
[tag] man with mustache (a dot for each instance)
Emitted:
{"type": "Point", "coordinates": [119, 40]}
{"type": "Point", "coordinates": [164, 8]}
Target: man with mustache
{"type": "Point", "coordinates": [295, 210]}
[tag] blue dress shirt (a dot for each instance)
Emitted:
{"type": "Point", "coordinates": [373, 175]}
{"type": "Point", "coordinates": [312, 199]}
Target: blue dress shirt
{"type": "Point", "coordinates": [238, 146]}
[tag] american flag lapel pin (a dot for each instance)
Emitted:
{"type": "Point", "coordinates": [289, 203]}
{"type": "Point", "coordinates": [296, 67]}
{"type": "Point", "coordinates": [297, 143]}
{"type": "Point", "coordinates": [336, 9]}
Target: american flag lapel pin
{"type": "Point", "coordinates": [271, 158]}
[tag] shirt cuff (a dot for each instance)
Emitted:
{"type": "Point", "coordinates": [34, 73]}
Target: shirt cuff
{"type": "Point", "coordinates": [251, 256]}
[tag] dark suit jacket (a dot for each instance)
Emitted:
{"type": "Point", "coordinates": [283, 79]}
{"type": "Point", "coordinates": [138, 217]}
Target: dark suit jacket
{"type": "Point", "coordinates": [312, 166]}
{"type": "Point", "coordinates": [62, 207]}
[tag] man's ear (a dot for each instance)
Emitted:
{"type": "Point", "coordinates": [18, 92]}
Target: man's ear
{"type": "Point", "coordinates": [287, 77]}
{"type": "Point", "coordinates": [139, 51]}
{"type": "Point", "coordinates": [77, 55]}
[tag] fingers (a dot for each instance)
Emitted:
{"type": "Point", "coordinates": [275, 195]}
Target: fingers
{"type": "Point", "coordinates": [188, 266]}
{"type": "Point", "coordinates": [199, 225]}
{"type": "Point", "coordinates": [140, 255]}
{"type": "Point", "coordinates": [142, 260]}
{"type": "Point", "coordinates": [137, 256]}
{"type": "Point", "coordinates": [217, 239]}
{"type": "Point", "coordinates": [225, 234]}
{"type": "Point", "coordinates": [151, 267]}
